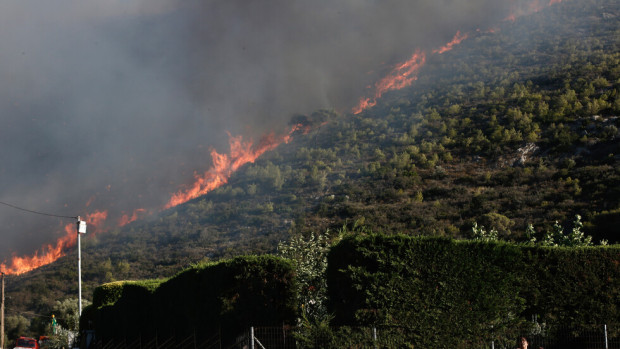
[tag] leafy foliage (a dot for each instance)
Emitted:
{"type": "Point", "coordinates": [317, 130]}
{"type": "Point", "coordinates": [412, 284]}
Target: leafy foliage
{"type": "Point", "coordinates": [438, 288]}
{"type": "Point", "coordinates": [455, 293]}
{"type": "Point", "coordinates": [515, 129]}
{"type": "Point", "coordinates": [575, 238]}
{"type": "Point", "coordinates": [480, 233]}
{"type": "Point", "coordinates": [310, 257]}
{"type": "Point", "coordinates": [226, 295]}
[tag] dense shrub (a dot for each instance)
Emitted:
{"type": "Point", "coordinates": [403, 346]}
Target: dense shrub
{"type": "Point", "coordinates": [453, 293]}
{"type": "Point", "coordinates": [573, 286]}
{"type": "Point", "coordinates": [228, 296]}
{"type": "Point", "coordinates": [111, 292]}
{"type": "Point", "coordinates": [435, 292]}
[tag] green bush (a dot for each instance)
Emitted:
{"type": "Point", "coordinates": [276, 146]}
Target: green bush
{"type": "Point", "coordinates": [453, 293]}
{"type": "Point", "coordinates": [573, 286]}
{"type": "Point", "coordinates": [235, 293]}
{"type": "Point", "coordinates": [228, 295]}
{"type": "Point", "coordinates": [111, 292]}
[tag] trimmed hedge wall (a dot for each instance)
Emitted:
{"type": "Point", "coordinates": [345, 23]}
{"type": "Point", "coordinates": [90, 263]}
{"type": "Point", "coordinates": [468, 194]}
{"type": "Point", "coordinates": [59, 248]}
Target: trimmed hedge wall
{"type": "Point", "coordinates": [229, 296]}
{"type": "Point", "coordinates": [436, 292]}
{"type": "Point", "coordinates": [450, 293]}
{"type": "Point", "coordinates": [573, 286]}
{"type": "Point", "coordinates": [111, 292]}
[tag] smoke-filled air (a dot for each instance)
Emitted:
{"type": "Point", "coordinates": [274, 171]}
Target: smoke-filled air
{"type": "Point", "coordinates": [116, 110]}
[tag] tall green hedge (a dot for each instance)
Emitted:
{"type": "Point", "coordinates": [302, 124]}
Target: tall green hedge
{"type": "Point", "coordinates": [435, 292]}
{"type": "Point", "coordinates": [226, 296]}
{"type": "Point", "coordinates": [450, 293]}
{"type": "Point", "coordinates": [573, 286]}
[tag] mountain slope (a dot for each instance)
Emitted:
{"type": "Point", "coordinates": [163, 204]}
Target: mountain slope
{"type": "Point", "coordinates": [514, 126]}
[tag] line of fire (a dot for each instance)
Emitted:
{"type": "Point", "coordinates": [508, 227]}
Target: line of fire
{"type": "Point", "coordinates": [242, 151]}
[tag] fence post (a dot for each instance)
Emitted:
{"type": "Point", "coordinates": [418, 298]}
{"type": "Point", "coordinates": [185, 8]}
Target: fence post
{"type": "Point", "coordinates": [251, 337]}
{"type": "Point", "coordinates": [492, 344]}
{"type": "Point", "coordinates": [374, 336]}
{"type": "Point", "coordinates": [606, 344]}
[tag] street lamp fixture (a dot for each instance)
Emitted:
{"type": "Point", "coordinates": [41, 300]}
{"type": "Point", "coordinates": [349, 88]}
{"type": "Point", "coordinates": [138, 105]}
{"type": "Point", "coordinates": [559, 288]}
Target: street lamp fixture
{"type": "Point", "coordinates": [81, 229]}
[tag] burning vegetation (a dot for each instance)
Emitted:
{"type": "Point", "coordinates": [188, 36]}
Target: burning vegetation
{"type": "Point", "coordinates": [242, 151]}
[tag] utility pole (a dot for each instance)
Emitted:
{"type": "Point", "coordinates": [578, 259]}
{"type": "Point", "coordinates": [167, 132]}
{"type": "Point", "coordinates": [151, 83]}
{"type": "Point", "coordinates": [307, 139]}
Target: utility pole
{"type": "Point", "coordinates": [81, 229]}
{"type": "Point", "coordinates": [2, 316]}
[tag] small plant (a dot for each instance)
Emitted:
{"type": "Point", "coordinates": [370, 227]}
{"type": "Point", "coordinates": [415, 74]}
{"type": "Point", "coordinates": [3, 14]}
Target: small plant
{"type": "Point", "coordinates": [575, 238]}
{"type": "Point", "coordinates": [479, 233]}
{"type": "Point", "coordinates": [530, 234]}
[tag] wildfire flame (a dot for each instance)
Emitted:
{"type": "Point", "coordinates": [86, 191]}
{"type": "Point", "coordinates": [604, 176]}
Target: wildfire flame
{"type": "Point", "coordinates": [224, 165]}
{"type": "Point", "coordinates": [402, 75]}
{"type": "Point", "coordinates": [126, 219]}
{"type": "Point", "coordinates": [528, 9]}
{"type": "Point", "coordinates": [458, 38]}
{"type": "Point", "coordinates": [50, 253]}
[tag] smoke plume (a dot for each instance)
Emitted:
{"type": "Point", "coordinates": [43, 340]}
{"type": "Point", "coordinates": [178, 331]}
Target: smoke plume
{"type": "Point", "coordinates": [112, 106]}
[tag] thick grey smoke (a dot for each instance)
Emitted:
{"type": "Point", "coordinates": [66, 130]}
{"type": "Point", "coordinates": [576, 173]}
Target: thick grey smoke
{"type": "Point", "coordinates": [114, 104]}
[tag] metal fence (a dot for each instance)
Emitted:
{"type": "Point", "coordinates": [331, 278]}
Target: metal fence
{"type": "Point", "coordinates": [587, 337]}
{"type": "Point", "coordinates": [283, 337]}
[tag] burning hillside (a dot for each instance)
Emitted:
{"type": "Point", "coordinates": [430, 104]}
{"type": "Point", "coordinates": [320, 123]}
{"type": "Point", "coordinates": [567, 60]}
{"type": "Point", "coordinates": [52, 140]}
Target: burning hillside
{"type": "Point", "coordinates": [127, 147]}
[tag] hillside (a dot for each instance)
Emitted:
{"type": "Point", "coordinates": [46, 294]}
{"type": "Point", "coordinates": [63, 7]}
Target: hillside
{"type": "Point", "coordinates": [512, 127]}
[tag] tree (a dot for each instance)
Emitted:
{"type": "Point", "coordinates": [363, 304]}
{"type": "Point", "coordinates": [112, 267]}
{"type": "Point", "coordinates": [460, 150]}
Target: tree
{"type": "Point", "coordinates": [310, 257]}
{"type": "Point", "coordinates": [66, 313]}
{"type": "Point", "coordinates": [500, 223]}
{"type": "Point", "coordinates": [68, 320]}
{"type": "Point", "coordinates": [15, 326]}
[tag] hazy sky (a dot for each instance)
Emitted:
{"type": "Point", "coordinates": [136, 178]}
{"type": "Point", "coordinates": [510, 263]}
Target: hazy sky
{"type": "Point", "coordinates": [114, 104]}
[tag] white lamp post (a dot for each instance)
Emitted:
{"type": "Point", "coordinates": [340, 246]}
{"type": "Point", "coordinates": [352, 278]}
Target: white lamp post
{"type": "Point", "coordinates": [81, 229]}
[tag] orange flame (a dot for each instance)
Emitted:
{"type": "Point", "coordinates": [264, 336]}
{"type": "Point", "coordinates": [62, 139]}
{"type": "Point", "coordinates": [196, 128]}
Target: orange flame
{"type": "Point", "coordinates": [224, 165]}
{"type": "Point", "coordinates": [401, 76]}
{"type": "Point", "coordinates": [404, 74]}
{"type": "Point", "coordinates": [126, 219]}
{"type": "Point", "coordinates": [458, 38]}
{"type": "Point", "coordinates": [532, 7]}
{"type": "Point", "coordinates": [50, 253]}
{"type": "Point", "coordinates": [96, 219]}
{"type": "Point", "coordinates": [304, 129]}
{"type": "Point", "coordinates": [241, 153]}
